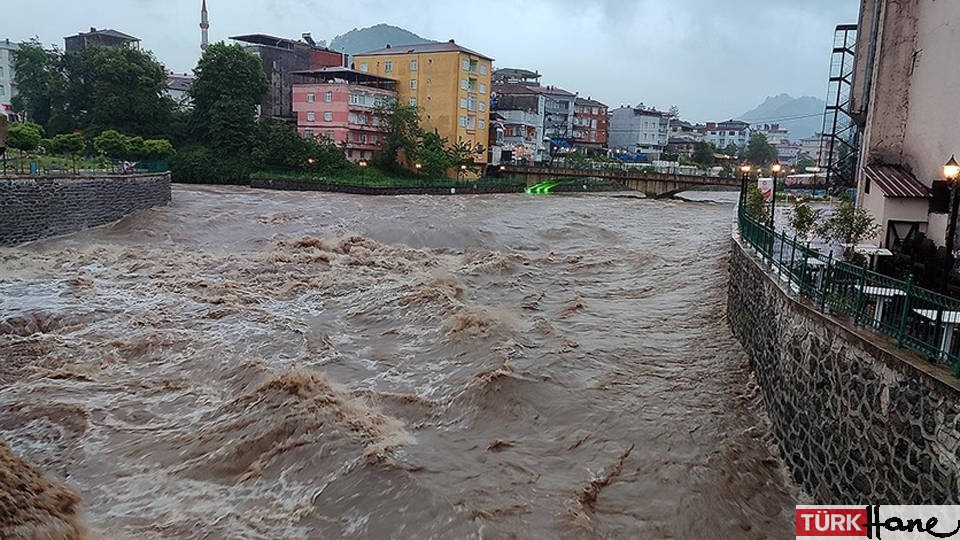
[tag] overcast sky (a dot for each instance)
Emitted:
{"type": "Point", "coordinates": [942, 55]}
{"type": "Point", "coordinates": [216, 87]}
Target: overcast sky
{"type": "Point", "coordinates": [712, 58]}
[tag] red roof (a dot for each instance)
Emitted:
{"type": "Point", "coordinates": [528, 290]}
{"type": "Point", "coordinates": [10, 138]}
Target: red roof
{"type": "Point", "coordinates": [895, 182]}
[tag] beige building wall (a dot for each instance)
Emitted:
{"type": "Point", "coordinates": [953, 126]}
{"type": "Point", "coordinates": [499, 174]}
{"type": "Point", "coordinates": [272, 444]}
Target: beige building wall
{"type": "Point", "coordinates": [913, 114]}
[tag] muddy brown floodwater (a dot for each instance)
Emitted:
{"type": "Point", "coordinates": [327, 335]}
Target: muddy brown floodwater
{"type": "Point", "coordinates": [255, 364]}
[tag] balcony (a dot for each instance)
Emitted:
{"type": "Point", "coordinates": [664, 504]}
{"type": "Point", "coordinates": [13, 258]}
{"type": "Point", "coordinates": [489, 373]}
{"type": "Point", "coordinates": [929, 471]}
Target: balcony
{"type": "Point", "coordinates": [522, 117]}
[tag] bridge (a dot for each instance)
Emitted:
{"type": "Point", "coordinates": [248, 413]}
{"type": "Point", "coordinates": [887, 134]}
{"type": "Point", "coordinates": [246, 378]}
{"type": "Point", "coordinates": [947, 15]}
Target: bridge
{"type": "Point", "coordinates": [651, 184]}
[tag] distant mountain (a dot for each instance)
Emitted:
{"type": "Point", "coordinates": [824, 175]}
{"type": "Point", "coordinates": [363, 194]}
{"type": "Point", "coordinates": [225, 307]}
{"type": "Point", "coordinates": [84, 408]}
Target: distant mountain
{"type": "Point", "coordinates": [376, 37]}
{"type": "Point", "coordinates": [802, 116]}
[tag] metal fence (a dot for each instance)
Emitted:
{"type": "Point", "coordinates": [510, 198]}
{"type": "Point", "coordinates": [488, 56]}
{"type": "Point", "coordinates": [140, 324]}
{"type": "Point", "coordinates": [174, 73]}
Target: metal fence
{"type": "Point", "coordinates": [916, 318]}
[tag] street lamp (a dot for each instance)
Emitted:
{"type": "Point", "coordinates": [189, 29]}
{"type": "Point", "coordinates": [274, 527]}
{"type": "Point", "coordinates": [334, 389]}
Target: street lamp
{"type": "Point", "coordinates": [744, 180]}
{"type": "Point", "coordinates": [418, 166]}
{"type": "Point", "coordinates": [951, 171]}
{"type": "Point", "coordinates": [774, 171]}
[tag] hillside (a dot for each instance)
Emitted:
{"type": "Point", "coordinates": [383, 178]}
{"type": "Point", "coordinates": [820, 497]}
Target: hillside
{"type": "Point", "coordinates": [375, 37]}
{"type": "Point", "coordinates": [804, 116]}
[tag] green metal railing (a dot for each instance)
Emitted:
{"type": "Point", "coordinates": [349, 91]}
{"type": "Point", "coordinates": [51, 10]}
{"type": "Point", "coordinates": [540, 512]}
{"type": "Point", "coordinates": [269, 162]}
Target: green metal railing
{"type": "Point", "coordinates": [916, 318]}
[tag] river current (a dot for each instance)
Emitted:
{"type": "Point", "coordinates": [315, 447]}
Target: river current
{"type": "Point", "coordinates": [256, 364]}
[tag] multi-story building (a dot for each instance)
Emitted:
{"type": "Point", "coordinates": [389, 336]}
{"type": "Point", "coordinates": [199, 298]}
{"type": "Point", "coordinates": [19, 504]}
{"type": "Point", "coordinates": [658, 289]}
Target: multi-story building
{"type": "Point", "coordinates": [558, 116]}
{"type": "Point", "coordinates": [773, 132]}
{"type": "Point", "coordinates": [522, 109]}
{"type": "Point", "coordinates": [99, 38]}
{"type": "Point", "coordinates": [813, 147]}
{"type": "Point", "coordinates": [340, 103]}
{"type": "Point", "coordinates": [8, 85]}
{"type": "Point", "coordinates": [639, 130]}
{"type": "Point", "coordinates": [516, 76]}
{"type": "Point", "coordinates": [723, 134]}
{"type": "Point", "coordinates": [904, 98]}
{"type": "Point", "coordinates": [177, 86]}
{"type": "Point", "coordinates": [590, 124]}
{"type": "Point", "coordinates": [281, 58]}
{"type": "Point", "coordinates": [449, 83]}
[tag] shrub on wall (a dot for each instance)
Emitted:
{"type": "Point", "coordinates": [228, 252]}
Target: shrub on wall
{"type": "Point", "coordinates": [203, 166]}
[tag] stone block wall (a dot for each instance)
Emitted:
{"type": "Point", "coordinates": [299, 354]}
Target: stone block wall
{"type": "Point", "coordinates": [858, 421]}
{"type": "Point", "coordinates": [32, 208]}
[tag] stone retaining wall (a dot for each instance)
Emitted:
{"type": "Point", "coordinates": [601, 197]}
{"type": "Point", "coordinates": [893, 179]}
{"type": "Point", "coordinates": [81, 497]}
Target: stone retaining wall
{"type": "Point", "coordinates": [858, 421]}
{"type": "Point", "coordinates": [32, 208]}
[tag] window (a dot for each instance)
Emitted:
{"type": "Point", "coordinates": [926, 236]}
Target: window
{"type": "Point", "coordinates": [388, 67]}
{"type": "Point", "coordinates": [472, 104]}
{"type": "Point", "coordinates": [483, 88]}
{"type": "Point", "coordinates": [473, 66]}
{"type": "Point", "coordinates": [413, 65]}
{"type": "Point", "coordinates": [482, 124]}
{"type": "Point", "coordinates": [483, 107]}
{"type": "Point", "coordinates": [471, 122]}
{"type": "Point", "coordinates": [311, 97]}
{"type": "Point", "coordinates": [363, 67]}
{"type": "Point", "coordinates": [463, 84]}
{"type": "Point", "coordinates": [356, 99]}
{"type": "Point", "coordinates": [308, 133]}
{"type": "Point", "coordinates": [328, 97]}
{"type": "Point", "coordinates": [363, 138]}
{"type": "Point", "coordinates": [330, 135]}
{"type": "Point", "coordinates": [311, 116]}
{"type": "Point", "coordinates": [1, 72]}
{"type": "Point", "coordinates": [463, 121]}
{"type": "Point", "coordinates": [413, 102]}
{"type": "Point", "coordinates": [328, 116]}
{"type": "Point", "coordinates": [413, 84]}
{"type": "Point", "coordinates": [465, 64]}
{"type": "Point", "coordinates": [463, 103]}
{"type": "Point", "coordinates": [472, 86]}
{"type": "Point", "coordinates": [483, 69]}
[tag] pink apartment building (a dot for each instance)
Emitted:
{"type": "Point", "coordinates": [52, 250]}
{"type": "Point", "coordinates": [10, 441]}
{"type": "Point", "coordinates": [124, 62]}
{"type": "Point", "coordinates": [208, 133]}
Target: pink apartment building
{"type": "Point", "coordinates": [340, 103]}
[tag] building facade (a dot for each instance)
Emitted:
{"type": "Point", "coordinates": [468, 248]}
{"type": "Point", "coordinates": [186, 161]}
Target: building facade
{"type": "Point", "coordinates": [281, 58]}
{"type": "Point", "coordinates": [723, 134]}
{"type": "Point", "coordinates": [639, 130]}
{"type": "Point", "coordinates": [8, 85]}
{"type": "Point", "coordinates": [99, 38]}
{"type": "Point", "coordinates": [340, 104]}
{"type": "Point", "coordinates": [522, 110]}
{"type": "Point", "coordinates": [558, 116]}
{"type": "Point", "coordinates": [450, 84]}
{"type": "Point", "coordinates": [178, 84]}
{"type": "Point", "coordinates": [590, 124]}
{"type": "Point", "coordinates": [904, 98]}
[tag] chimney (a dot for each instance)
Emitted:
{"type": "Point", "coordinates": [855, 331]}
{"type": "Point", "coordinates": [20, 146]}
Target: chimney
{"type": "Point", "coordinates": [452, 41]}
{"type": "Point", "coordinates": [92, 29]}
{"type": "Point", "coordinates": [388, 45]}
{"type": "Point", "coordinates": [309, 39]}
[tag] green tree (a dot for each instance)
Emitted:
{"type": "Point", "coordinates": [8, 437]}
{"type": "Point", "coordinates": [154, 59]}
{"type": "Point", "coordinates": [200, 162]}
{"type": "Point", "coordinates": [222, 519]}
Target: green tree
{"type": "Point", "coordinates": [703, 153]}
{"type": "Point", "coordinates": [760, 152]}
{"type": "Point", "coordinates": [157, 149]}
{"type": "Point", "coordinates": [24, 137]}
{"type": "Point", "coordinates": [804, 218]}
{"type": "Point", "coordinates": [69, 144]}
{"type": "Point", "coordinates": [732, 150]}
{"type": "Point", "coordinates": [434, 156]}
{"type": "Point", "coordinates": [112, 144]}
{"type": "Point", "coordinates": [229, 85]}
{"type": "Point", "coordinates": [756, 205]}
{"type": "Point", "coordinates": [805, 162]}
{"type": "Point", "coordinates": [848, 226]}
{"type": "Point", "coordinates": [119, 88]}
{"type": "Point", "coordinates": [39, 82]}
{"type": "Point", "coordinates": [401, 140]}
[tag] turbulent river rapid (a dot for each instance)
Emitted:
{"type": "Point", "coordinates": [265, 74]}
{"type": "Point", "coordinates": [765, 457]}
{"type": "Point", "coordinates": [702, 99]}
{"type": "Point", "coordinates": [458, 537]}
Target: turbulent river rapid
{"type": "Point", "coordinates": [256, 364]}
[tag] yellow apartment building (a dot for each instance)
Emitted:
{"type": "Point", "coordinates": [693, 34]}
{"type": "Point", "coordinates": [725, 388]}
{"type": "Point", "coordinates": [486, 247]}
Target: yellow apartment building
{"type": "Point", "coordinates": [449, 83]}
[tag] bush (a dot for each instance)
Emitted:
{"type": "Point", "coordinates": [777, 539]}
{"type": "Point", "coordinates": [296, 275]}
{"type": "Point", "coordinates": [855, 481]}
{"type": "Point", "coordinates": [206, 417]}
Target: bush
{"type": "Point", "coordinates": [203, 166]}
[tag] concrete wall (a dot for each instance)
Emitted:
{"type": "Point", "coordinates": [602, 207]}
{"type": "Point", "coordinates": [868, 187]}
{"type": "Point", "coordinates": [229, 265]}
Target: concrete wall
{"type": "Point", "coordinates": [857, 420]}
{"type": "Point", "coordinates": [33, 208]}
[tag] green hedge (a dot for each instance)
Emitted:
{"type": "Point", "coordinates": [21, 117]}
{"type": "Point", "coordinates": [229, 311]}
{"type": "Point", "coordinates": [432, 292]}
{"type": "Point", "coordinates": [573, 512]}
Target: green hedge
{"type": "Point", "coordinates": [203, 166]}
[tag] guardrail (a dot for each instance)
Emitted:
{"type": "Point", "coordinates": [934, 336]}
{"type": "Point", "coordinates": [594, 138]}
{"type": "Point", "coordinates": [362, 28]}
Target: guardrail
{"type": "Point", "coordinates": [918, 319]}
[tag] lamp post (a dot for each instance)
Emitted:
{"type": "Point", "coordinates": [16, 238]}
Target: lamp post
{"type": "Point", "coordinates": [951, 171]}
{"type": "Point", "coordinates": [744, 181]}
{"type": "Point", "coordinates": [774, 171]}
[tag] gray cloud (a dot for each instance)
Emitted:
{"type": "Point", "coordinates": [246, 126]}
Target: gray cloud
{"type": "Point", "coordinates": [714, 59]}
